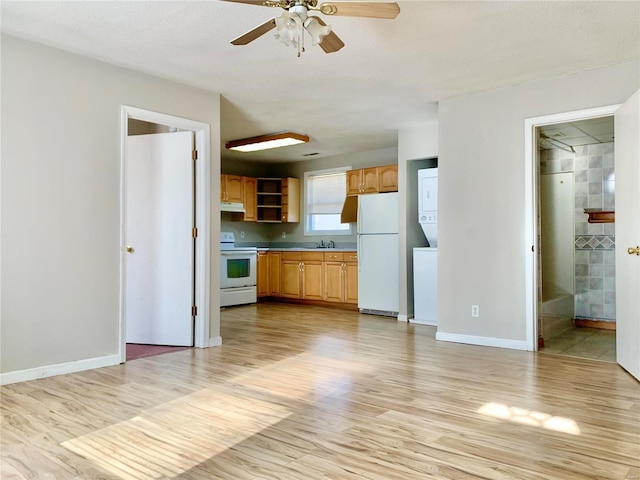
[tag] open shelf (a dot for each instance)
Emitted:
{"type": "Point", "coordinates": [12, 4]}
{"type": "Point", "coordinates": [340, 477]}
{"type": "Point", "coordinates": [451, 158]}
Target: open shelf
{"type": "Point", "coordinates": [598, 215]}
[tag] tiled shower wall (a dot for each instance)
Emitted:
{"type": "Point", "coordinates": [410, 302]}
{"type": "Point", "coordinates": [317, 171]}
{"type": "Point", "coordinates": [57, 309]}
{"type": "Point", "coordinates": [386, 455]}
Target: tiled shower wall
{"type": "Point", "coordinates": [594, 176]}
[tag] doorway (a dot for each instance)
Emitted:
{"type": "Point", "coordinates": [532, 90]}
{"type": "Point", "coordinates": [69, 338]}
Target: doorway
{"type": "Point", "coordinates": [627, 225]}
{"type": "Point", "coordinates": [576, 254]}
{"type": "Point", "coordinates": [197, 299]}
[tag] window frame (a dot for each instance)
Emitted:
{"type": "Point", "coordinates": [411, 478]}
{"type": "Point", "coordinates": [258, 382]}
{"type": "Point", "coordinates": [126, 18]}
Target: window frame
{"type": "Point", "coordinates": [308, 232]}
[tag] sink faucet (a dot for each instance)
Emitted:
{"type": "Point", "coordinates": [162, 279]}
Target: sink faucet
{"type": "Point", "coordinates": [321, 244]}
{"type": "Point", "coordinates": [331, 244]}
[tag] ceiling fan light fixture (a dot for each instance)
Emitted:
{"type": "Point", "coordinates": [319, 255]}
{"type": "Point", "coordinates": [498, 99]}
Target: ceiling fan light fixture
{"type": "Point", "coordinates": [316, 30]}
{"type": "Point", "coordinates": [264, 142]}
{"type": "Point", "coordinates": [288, 29]}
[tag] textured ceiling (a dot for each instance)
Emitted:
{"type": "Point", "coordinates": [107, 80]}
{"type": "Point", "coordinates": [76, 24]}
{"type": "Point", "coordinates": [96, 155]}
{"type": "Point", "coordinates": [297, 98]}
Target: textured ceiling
{"type": "Point", "coordinates": [390, 74]}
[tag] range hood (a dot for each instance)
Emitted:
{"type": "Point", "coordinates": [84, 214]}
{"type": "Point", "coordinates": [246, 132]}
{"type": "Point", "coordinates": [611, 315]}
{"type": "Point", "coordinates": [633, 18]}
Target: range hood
{"type": "Point", "coordinates": [350, 210]}
{"type": "Point", "coordinates": [231, 207]}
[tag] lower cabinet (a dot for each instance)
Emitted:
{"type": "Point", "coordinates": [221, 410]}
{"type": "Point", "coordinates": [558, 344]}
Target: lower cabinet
{"type": "Point", "coordinates": [351, 277]}
{"type": "Point", "coordinates": [262, 274]}
{"type": "Point", "coordinates": [290, 276]}
{"type": "Point", "coordinates": [341, 277]}
{"type": "Point", "coordinates": [307, 275]}
{"type": "Point", "coordinates": [274, 274]}
{"type": "Point", "coordinates": [301, 275]}
{"type": "Point", "coordinates": [312, 278]}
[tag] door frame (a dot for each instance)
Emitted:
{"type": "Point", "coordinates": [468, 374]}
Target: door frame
{"type": "Point", "coordinates": [203, 213]}
{"type": "Point", "coordinates": [531, 195]}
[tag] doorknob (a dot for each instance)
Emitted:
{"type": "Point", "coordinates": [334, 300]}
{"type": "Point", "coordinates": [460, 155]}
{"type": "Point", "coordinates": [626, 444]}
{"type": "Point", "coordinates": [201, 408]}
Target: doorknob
{"type": "Point", "coordinates": [634, 251]}
{"type": "Point", "coordinates": [129, 249]}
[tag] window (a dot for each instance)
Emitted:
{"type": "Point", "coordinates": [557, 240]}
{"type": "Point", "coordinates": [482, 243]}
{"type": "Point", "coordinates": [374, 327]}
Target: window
{"type": "Point", "coordinates": [325, 191]}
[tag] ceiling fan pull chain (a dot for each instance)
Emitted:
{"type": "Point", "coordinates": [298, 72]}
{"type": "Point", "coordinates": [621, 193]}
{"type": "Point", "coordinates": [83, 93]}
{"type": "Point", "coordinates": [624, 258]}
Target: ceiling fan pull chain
{"type": "Point", "coordinates": [301, 42]}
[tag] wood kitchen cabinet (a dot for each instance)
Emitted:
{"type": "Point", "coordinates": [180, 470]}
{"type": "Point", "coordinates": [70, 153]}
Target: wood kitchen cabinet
{"type": "Point", "coordinates": [351, 277]}
{"type": "Point", "coordinates": [262, 274]}
{"type": "Point", "coordinates": [274, 274]}
{"type": "Point", "coordinates": [341, 277]}
{"type": "Point", "coordinates": [354, 182]}
{"type": "Point", "coordinates": [278, 200]}
{"type": "Point", "coordinates": [310, 276]}
{"type": "Point", "coordinates": [301, 275]}
{"type": "Point", "coordinates": [387, 178]}
{"type": "Point", "coordinates": [290, 200]}
{"type": "Point", "coordinates": [250, 187]}
{"type": "Point", "coordinates": [290, 277]}
{"type": "Point", "coordinates": [333, 278]}
{"type": "Point", "coordinates": [231, 188]}
{"type": "Point", "coordinates": [364, 180]}
{"type": "Point", "coordinates": [372, 180]}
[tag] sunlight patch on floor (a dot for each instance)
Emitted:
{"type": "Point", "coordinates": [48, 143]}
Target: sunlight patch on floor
{"type": "Point", "coordinates": [529, 417]}
{"type": "Point", "coordinates": [176, 436]}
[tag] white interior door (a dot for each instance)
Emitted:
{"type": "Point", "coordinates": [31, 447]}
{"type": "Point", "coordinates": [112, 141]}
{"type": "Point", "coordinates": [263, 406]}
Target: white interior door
{"type": "Point", "coordinates": [627, 165]}
{"type": "Point", "coordinates": [159, 263]}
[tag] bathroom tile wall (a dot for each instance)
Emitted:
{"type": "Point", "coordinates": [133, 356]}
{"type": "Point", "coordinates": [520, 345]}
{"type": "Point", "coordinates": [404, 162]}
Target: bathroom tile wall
{"type": "Point", "coordinates": [594, 176]}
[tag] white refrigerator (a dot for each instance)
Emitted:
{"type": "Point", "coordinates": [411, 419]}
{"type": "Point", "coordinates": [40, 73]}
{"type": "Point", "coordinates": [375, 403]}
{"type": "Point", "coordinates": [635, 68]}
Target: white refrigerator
{"type": "Point", "coordinates": [378, 272]}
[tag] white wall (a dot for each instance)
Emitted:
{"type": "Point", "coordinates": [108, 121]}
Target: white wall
{"type": "Point", "coordinates": [60, 199]}
{"type": "Point", "coordinates": [482, 245]}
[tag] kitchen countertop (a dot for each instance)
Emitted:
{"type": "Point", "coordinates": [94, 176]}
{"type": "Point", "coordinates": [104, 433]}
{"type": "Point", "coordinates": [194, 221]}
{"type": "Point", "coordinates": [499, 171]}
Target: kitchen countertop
{"type": "Point", "coordinates": [302, 249]}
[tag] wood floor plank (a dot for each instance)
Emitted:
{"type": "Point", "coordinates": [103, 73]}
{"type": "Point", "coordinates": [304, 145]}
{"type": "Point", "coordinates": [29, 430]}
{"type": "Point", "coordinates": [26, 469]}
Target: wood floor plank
{"type": "Point", "coordinates": [311, 393]}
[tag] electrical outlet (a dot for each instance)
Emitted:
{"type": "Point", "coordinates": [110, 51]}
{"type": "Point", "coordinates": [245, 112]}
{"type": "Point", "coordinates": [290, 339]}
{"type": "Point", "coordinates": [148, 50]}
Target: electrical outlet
{"type": "Point", "coordinates": [475, 311]}
{"type": "Point", "coordinates": [241, 234]}
{"type": "Point", "coordinates": [284, 234]}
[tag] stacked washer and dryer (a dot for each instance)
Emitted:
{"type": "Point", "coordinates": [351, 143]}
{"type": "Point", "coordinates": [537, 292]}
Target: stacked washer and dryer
{"type": "Point", "coordinates": [425, 259]}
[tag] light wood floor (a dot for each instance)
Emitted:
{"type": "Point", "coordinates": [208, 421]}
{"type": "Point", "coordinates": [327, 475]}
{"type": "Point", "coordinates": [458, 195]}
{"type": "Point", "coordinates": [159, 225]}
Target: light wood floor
{"type": "Point", "coordinates": [313, 393]}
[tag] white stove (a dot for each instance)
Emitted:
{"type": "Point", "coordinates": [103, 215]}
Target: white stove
{"type": "Point", "coordinates": [228, 242]}
{"type": "Point", "coordinates": [237, 272]}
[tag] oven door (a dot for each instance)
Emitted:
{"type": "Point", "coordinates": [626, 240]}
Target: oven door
{"type": "Point", "coordinates": [237, 269]}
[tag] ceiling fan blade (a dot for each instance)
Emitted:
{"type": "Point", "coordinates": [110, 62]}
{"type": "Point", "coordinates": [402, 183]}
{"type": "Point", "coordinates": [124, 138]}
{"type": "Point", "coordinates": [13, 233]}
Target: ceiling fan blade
{"type": "Point", "coordinates": [251, 35]}
{"type": "Point", "coordinates": [248, 2]}
{"type": "Point", "coordinates": [331, 42]}
{"type": "Point", "coordinates": [361, 9]}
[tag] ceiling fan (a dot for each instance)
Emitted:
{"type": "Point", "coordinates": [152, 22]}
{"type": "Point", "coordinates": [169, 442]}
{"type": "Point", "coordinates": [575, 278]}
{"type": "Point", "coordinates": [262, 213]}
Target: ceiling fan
{"type": "Point", "coordinates": [290, 26]}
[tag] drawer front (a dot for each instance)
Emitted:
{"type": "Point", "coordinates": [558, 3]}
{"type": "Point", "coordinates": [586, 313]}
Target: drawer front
{"type": "Point", "coordinates": [291, 256]}
{"type": "Point", "coordinates": [308, 256]}
{"type": "Point", "coordinates": [350, 256]}
{"type": "Point", "coordinates": [333, 256]}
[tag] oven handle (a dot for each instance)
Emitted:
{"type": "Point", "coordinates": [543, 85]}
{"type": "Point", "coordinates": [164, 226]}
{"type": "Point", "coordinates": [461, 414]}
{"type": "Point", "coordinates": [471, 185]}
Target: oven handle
{"type": "Point", "coordinates": [227, 253]}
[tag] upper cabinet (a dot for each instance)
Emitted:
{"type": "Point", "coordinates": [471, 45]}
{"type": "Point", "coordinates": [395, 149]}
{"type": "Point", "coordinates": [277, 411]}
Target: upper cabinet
{"type": "Point", "coordinates": [367, 180]}
{"type": "Point", "coordinates": [267, 200]}
{"type": "Point", "coordinates": [278, 200]}
{"type": "Point", "coordinates": [388, 178]}
{"type": "Point", "coordinates": [250, 185]}
{"type": "Point", "coordinates": [231, 188]}
{"type": "Point", "coordinates": [372, 180]}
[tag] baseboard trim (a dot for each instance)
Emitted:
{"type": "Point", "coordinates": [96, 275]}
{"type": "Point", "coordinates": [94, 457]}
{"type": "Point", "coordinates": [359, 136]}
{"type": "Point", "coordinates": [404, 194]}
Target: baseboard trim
{"type": "Point", "coordinates": [58, 369]}
{"type": "Point", "coordinates": [482, 341]}
{"type": "Point", "coordinates": [432, 323]}
{"type": "Point", "coordinates": [403, 318]}
{"type": "Point", "coordinates": [584, 323]}
{"type": "Point", "coordinates": [215, 341]}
